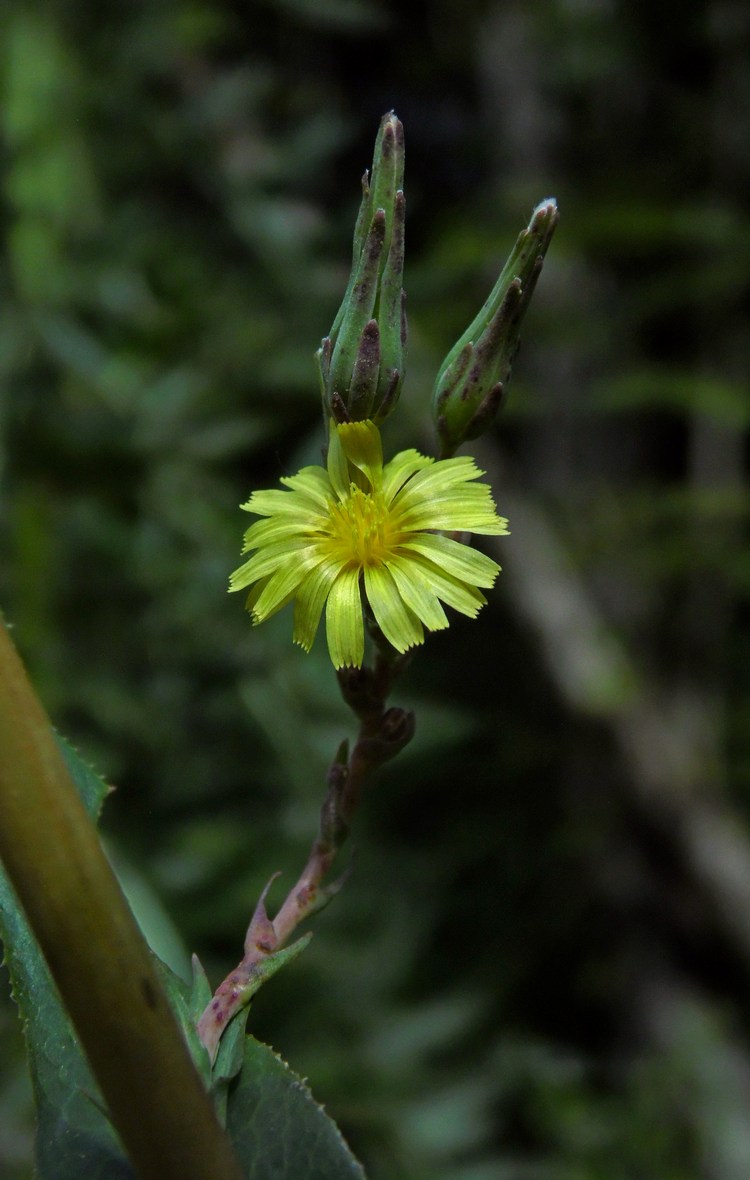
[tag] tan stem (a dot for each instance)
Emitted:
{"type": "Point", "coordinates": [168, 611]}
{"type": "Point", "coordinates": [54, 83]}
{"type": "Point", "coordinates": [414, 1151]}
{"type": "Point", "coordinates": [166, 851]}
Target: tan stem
{"type": "Point", "coordinates": [96, 953]}
{"type": "Point", "coordinates": [264, 938]}
{"type": "Point", "coordinates": [303, 898]}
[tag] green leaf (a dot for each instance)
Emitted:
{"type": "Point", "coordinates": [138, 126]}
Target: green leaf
{"type": "Point", "coordinates": [278, 1129]}
{"type": "Point", "coordinates": [187, 1002]}
{"type": "Point", "coordinates": [180, 997]}
{"type": "Point", "coordinates": [74, 1136]}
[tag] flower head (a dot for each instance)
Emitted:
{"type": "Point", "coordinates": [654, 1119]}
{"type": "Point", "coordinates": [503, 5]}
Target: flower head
{"type": "Point", "coordinates": [363, 536]}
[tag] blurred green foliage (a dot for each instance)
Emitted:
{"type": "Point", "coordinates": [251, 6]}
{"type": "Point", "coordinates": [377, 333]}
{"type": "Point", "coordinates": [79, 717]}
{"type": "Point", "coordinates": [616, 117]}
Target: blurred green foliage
{"type": "Point", "coordinates": [537, 968]}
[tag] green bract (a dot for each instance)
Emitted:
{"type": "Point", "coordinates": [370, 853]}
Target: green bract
{"type": "Point", "coordinates": [361, 530]}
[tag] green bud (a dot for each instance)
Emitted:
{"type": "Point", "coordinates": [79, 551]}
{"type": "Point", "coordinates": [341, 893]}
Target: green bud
{"type": "Point", "coordinates": [474, 375]}
{"type": "Point", "coordinates": [361, 361]}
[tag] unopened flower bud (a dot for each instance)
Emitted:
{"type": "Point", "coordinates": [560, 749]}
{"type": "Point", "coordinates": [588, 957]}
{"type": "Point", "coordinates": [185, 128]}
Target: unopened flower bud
{"type": "Point", "coordinates": [361, 361]}
{"type": "Point", "coordinates": [475, 373]}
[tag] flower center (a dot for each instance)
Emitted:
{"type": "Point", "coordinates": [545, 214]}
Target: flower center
{"type": "Point", "coordinates": [361, 531]}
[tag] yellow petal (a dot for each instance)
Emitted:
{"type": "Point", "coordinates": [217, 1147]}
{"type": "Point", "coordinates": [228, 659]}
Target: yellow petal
{"type": "Point", "coordinates": [461, 561]}
{"type": "Point", "coordinates": [344, 623]}
{"type": "Point", "coordinates": [311, 599]}
{"type": "Point", "coordinates": [363, 448]}
{"type": "Point", "coordinates": [338, 468]}
{"type": "Point", "coordinates": [398, 623]}
{"type": "Point", "coordinates": [417, 593]}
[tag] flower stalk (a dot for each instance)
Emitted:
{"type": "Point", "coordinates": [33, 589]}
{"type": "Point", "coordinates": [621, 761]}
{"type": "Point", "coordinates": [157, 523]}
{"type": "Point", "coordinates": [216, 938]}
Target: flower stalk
{"type": "Point", "coordinates": [383, 733]}
{"type": "Point", "coordinates": [379, 546]}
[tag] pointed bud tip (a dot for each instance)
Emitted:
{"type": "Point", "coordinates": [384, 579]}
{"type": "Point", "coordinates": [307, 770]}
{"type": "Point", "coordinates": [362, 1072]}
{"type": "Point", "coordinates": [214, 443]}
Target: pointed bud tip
{"type": "Point", "coordinates": [547, 203]}
{"type": "Point", "coordinates": [545, 216]}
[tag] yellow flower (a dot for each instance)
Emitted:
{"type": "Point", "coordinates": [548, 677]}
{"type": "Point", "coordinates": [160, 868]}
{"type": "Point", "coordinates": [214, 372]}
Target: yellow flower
{"type": "Point", "coordinates": [361, 530]}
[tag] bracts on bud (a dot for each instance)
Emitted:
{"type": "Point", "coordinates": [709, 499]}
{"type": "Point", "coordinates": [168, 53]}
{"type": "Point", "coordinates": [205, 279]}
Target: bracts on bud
{"type": "Point", "coordinates": [361, 361]}
{"type": "Point", "coordinates": [473, 377]}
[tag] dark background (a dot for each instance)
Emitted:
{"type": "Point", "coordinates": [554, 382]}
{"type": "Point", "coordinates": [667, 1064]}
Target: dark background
{"type": "Point", "coordinates": [540, 967]}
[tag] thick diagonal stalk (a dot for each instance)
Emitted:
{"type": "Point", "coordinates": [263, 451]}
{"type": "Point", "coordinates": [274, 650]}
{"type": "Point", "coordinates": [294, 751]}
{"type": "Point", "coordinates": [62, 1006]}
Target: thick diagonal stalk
{"type": "Point", "coordinates": [96, 952]}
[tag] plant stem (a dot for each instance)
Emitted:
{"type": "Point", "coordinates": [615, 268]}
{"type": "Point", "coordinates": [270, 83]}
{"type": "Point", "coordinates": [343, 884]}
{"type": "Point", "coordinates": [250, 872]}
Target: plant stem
{"type": "Point", "coordinates": [96, 953]}
{"type": "Point", "coordinates": [382, 734]}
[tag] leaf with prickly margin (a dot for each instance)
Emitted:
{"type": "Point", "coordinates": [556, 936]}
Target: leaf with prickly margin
{"type": "Point", "coordinates": [74, 1136]}
{"type": "Point", "coordinates": [271, 1106]}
